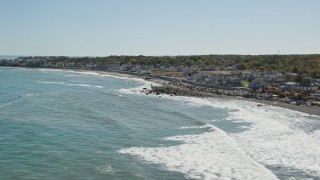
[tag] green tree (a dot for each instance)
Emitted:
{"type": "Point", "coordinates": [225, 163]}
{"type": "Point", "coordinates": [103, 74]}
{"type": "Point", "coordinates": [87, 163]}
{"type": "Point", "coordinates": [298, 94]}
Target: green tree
{"type": "Point", "coordinates": [295, 70]}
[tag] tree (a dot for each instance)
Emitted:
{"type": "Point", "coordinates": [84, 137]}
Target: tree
{"type": "Point", "coordinates": [295, 70]}
{"type": "Point", "coordinates": [241, 66]}
{"type": "Point", "coordinates": [189, 62]}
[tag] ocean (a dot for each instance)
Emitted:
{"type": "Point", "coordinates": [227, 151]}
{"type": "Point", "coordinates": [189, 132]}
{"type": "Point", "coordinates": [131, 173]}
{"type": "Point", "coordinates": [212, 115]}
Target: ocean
{"type": "Point", "coordinates": [59, 124]}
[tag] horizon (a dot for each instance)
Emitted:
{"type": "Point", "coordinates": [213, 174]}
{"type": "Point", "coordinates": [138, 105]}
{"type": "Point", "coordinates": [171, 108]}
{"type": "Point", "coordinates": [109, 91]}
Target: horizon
{"type": "Point", "coordinates": [167, 28]}
{"type": "Point", "coordinates": [161, 55]}
{"type": "Point", "coordinates": [165, 55]}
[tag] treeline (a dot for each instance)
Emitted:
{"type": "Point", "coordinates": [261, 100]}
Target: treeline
{"type": "Point", "coordinates": [283, 63]}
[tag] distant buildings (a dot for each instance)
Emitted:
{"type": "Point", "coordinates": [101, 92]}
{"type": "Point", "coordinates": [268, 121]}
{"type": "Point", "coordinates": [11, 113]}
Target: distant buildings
{"type": "Point", "coordinates": [208, 76]}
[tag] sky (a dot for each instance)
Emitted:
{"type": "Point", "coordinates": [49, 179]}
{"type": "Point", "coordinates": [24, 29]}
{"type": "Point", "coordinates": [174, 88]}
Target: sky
{"type": "Point", "coordinates": [158, 27]}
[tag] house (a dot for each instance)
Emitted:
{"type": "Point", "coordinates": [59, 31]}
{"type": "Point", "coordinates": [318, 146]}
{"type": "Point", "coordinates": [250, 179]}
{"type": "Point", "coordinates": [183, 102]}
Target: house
{"type": "Point", "coordinates": [307, 88]}
{"type": "Point", "coordinates": [231, 81]}
{"type": "Point", "coordinates": [257, 84]}
{"type": "Point", "coordinates": [216, 80]}
{"type": "Point", "coordinates": [192, 77]}
{"type": "Point", "coordinates": [231, 68]}
{"type": "Point", "coordinates": [272, 76]}
{"type": "Point", "coordinates": [291, 85]}
{"type": "Point", "coordinates": [202, 78]}
{"type": "Point", "coordinates": [101, 66]}
{"type": "Point", "coordinates": [280, 79]}
{"type": "Point", "coordinates": [125, 67]}
{"type": "Point", "coordinates": [291, 76]}
{"type": "Point", "coordinates": [308, 85]}
{"type": "Point", "coordinates": [91, 66]}
{"type": "Point", "coordinates": [250, 75]}
{"type": "Point", "coordinates": [208, 80]}
{"type": "Point", "coordinates": [189, 72]}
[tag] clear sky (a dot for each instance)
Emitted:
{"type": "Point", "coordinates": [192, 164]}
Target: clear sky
{"type": "Point", "coordinates": [159, 27]}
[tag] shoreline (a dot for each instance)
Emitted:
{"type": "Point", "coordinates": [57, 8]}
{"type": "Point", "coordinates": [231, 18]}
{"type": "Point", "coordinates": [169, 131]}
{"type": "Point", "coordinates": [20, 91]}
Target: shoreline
{"type": "Point", "coordinates": [311, 110]}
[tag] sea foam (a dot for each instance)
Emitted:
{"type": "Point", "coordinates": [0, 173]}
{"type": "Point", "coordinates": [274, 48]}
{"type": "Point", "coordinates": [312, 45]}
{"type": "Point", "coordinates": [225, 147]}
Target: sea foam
{"type": "Point", "coordinates": [68, 84]}
{"type": "Point", "coordinates": [211, 155]}
{"type": "Point", "coordinates": [275, 138]}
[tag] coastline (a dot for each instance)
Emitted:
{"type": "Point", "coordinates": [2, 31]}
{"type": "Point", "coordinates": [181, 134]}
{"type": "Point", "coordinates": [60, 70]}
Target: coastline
{"type": "Point", "coordinates": [311, 110]}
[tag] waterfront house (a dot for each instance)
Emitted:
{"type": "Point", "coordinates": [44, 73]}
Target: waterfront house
{"type": "Point", "coordinates": [307, 88]}
{"type": "Point", "coordinates": [291, 85]}
{"type": "Point", "coordinates": [90, 66]}
{"type": "Point", "coordinates": [232, 81]}
{"type": "Point", "coordinates": [273, 77]}
{"type": "Point", "coordinates": [257, 84]}
{"type": "Point", "coordinates": [307, 85]}
{"type": "Point", "coordinates": [250, 75]}
{"type": "Point", "coordinates": [201, 78]}
{"type": "Point", "coordinates": [216, 80]}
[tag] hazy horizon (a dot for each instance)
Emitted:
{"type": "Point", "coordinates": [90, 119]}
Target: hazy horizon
{"type": "Point", "coordinates": [161, 55]}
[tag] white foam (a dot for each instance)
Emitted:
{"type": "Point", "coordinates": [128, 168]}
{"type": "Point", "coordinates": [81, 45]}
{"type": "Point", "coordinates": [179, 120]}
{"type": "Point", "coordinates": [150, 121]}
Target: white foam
{"type": "Point", "coordinates": [211, 155]}
{"type": "Point", "coordinates": [92, 73]}
{"type": "Point", "coordinates": [129, 79]}
{"type": "Point", "coordinates": [273, 139]}
{"type": "Point", "coordinates": [142, 84]}
{"type": "Point", "coordinates": [316, 135]}
{"type": "Point", "coordinates": [68, 84]}
{"type": "Point", "coordinates": [197, 127]}
{"type": "Point", "coordinates": [104, 169]}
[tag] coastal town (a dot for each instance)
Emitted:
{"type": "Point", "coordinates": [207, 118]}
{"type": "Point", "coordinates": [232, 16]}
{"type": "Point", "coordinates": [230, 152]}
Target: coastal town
{"type": "Point", "coordinates": [193, 80]}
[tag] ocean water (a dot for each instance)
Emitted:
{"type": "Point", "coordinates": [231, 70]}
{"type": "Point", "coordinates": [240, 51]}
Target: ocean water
{"type": "Point", "coordinates": [58, 124]}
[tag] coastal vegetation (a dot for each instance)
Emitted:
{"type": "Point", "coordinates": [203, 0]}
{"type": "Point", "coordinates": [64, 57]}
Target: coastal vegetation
{"type": "Point", "coordinates": [300, 64]}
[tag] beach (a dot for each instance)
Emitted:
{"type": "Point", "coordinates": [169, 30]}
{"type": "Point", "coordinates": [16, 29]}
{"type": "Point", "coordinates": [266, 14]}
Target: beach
{"type": "Point", "coordinates": [313, 110]}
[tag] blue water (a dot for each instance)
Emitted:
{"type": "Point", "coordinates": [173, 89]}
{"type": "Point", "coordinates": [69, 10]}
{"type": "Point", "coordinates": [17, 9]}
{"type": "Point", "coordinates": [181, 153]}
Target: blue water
{"type": "Point", "coordinates": [77, 125]}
